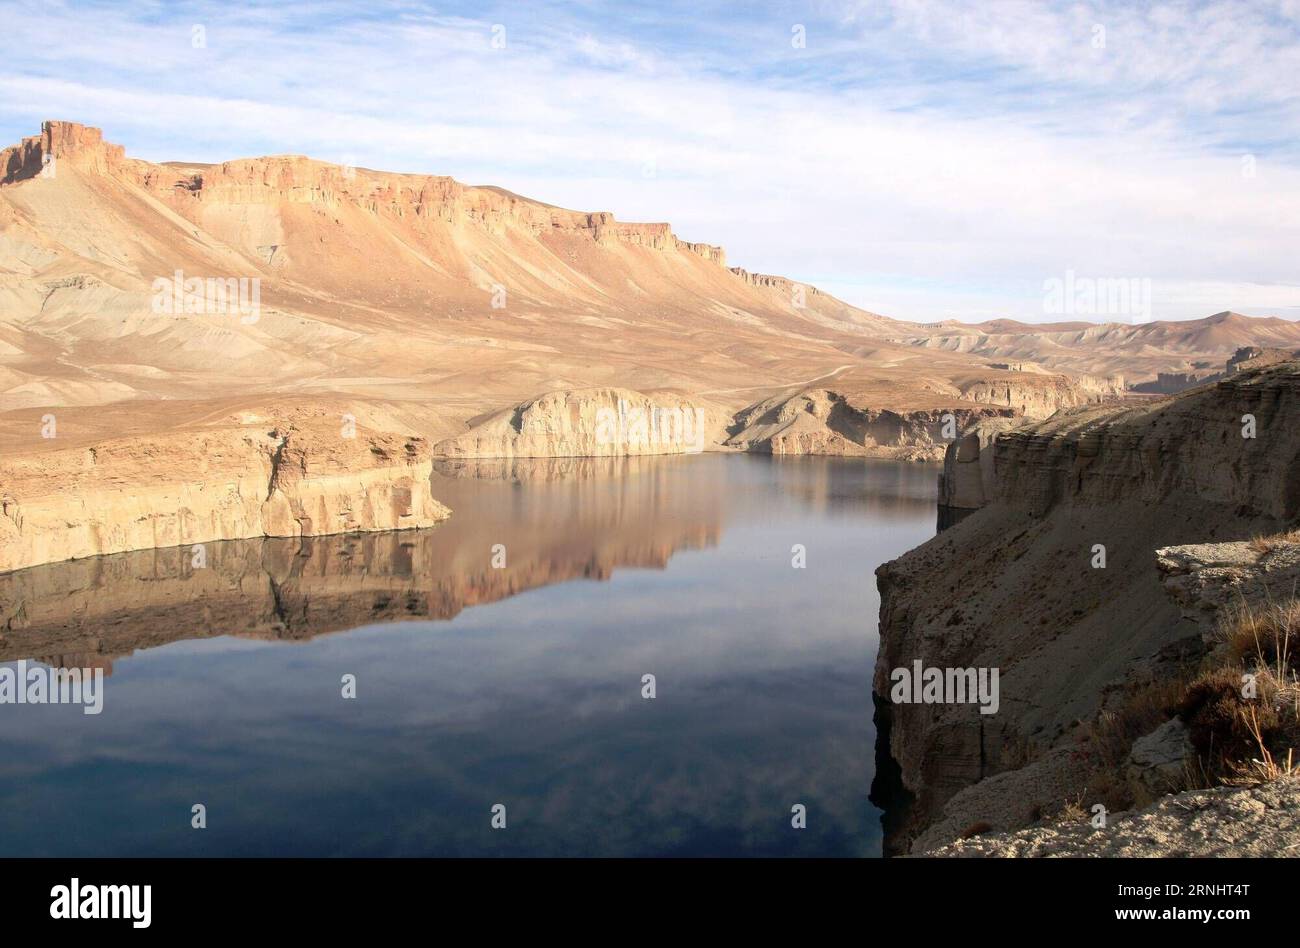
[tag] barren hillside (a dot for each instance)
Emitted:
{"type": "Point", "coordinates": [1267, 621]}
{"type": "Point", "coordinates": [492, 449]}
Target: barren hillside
{"type": "Point", "coordinates": [161, 322]}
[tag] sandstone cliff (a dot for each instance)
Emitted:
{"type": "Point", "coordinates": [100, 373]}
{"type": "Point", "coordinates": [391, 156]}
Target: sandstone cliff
{"type": "Point", "coordinates": [219, 483]}
{"type": "Point", "coordinates": [821, 421]}
{"type": "Point", "coordinates": [1017, 585]}
{"type": "Point", "coordinates": [848, 422]}
{"type": "Point", "coordinates": [76, 145]}
{"type": "Point", "coordinates": [1038, 395]}
{"type": "Point", "coordinates": [602, 422]}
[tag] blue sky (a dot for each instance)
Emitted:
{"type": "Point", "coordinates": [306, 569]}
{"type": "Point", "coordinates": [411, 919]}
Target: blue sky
{"type": "Point", "coordinates": [926, 160]}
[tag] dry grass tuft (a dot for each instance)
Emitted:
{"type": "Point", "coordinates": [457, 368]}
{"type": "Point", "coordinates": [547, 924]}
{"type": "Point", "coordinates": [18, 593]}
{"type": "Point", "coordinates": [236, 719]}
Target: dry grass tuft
{"type": "Point", "coordinates": [1244, 716]}
{"type": "Point", "coordinates": [1268, 544]}
{"type": "Point", "coordinates": [1242, 711]}
{"type": "Point", "coordinates": [1264, 635]}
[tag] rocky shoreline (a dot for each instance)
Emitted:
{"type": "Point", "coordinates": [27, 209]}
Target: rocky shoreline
{"type": "Point", "coordinates": [312, 472]}
{"type": "Point", "coordinates": [1090, 561]}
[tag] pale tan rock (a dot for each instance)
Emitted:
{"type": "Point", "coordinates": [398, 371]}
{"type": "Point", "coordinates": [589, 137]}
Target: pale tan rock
{"type": "Point", "coordinates": [969, 479]}
{"type": "Point", "coordinates": [822, 421]}
{"type": "Point", "coordinates": [218, 484]}
{"type": "Point", "coordinates": [1159, 762]}
{"type": "Point", "coordinates": [598, 422]}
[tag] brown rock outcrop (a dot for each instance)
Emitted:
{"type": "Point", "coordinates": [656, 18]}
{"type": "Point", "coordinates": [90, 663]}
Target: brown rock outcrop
{"type": "Point", "coordinates": [297, 179]}
{"type": "Point", "coordinates": [1017, 586]}
{"type": "Point", "coordinates": [821, 421]}
{"type": "Point", "coordinates": [968, 480]}
{"type": "Point", "coordinates": [77, 145]}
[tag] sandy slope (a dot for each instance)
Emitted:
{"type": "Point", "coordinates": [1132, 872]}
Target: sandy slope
{"type": "Point", "coordinates": [378, 286]}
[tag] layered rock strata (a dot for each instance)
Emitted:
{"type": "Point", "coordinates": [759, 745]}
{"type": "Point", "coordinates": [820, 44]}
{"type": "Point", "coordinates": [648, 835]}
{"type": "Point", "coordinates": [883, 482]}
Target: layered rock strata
{"type": "Point", "coordinates": [821, 421]}
{"type": "Point", "coordinates": [222, 483]}
{"type": "Point", "coordinates": [597, 422]}
{"type": "Point", "coordinates": [1052, 578]}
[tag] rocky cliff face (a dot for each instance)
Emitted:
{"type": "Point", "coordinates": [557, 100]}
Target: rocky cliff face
{"type": "Point", "coordinates": [76, 145]}
{"type": "Point", "coordinates": [830, 421]}
{"type": "Point", "coordinates": [217, 484]}
{"type": "Point", "coordinates": [969, 481]}
{"type": "Point", "coordinates": [1053, 580]}
{"type": "Point", "coordinates": [821, 421]}
{"type": "Point", "coordinates": [1039, 395]}
{"type": "Point", "coordinates": [598, 422]}
{"type": "Point", "coordinates": [1256, 357]}
{"type": "Point", "coordinates": [297, 179]}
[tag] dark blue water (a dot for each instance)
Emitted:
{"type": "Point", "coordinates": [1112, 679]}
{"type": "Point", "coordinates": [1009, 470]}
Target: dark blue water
{"type": "Point", "coordinates": [476, 685]}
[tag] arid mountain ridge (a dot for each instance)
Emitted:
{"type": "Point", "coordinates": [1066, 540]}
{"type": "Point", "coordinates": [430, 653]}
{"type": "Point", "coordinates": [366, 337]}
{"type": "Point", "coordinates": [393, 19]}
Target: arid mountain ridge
{"type": "Point", "coordinates": [414, 310]}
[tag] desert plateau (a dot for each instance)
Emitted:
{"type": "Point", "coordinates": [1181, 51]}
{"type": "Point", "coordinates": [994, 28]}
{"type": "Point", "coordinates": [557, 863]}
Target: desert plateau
{"type": "Point", "coordinates": [424, 318]}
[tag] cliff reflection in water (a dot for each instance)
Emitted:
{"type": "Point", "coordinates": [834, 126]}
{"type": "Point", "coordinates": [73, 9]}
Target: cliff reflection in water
{"type": "Point", "coordinates": [226, 691]}
{"type": "Point", "coordinates": [558, 520]}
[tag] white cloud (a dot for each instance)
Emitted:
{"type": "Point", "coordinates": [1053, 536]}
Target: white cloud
{"type": "Point", "coordinates": [936, 159]}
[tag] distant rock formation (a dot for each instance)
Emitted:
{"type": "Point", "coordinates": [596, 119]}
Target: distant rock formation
{"type": "Point", "coordinates": [78, 145]}
{"type": "Point", "coordinates": [597, 422]}
{"type": "Point", "coordinates": [822, 421]}
{"type": "Point", "coordinates": [1254, 357]}
{"type": "Point", "coordinates": [1037, 394]}
{"type": "Point", "coordinates": [1153, 356]}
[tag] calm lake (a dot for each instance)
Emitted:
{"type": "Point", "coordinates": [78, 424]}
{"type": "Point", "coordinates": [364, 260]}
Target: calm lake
{"type": "Point", "coordinates": [479, 684]}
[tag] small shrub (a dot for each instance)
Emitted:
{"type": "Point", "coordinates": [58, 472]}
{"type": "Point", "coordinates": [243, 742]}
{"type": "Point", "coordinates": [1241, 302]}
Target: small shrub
{"type": "Point", "coordinates": [1264, 635]}
{"type": "Point", "coordinates": [1239, 738]}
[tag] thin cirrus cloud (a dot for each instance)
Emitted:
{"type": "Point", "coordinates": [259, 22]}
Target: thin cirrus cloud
{"type": "Point", "coordinates": [927, 160]}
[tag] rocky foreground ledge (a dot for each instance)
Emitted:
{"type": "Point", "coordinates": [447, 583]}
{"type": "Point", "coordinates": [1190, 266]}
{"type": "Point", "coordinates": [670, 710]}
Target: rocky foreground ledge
{"type": "Point", "coordinates": [1262, 820]}
{"type": "Point", "coordinates": [1093, 565]}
